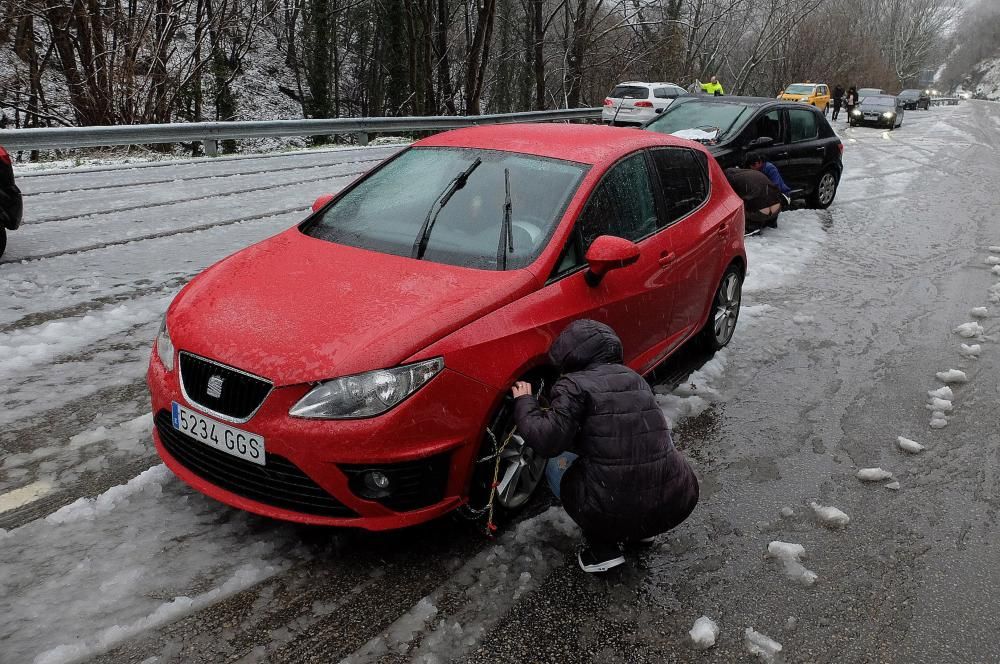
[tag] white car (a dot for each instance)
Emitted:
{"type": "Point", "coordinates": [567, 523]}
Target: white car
{"type": "Point", "coordinates": [636, 102]}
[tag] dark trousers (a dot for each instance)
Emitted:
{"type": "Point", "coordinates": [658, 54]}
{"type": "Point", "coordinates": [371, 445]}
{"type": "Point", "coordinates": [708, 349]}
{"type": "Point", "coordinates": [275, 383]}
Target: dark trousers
{"type": "Point", "coordinates": [836, 110]}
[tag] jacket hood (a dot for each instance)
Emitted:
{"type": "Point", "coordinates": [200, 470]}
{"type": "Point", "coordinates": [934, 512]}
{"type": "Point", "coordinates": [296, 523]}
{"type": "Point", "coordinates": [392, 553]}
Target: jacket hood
{"type": "Point", "coordinates": [585, 343]}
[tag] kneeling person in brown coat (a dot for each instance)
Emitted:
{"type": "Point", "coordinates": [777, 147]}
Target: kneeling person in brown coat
{"type": "Point", "coordinates": [616, 469]}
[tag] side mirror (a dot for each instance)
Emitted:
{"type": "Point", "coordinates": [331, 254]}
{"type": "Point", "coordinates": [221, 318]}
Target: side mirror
{"type": "Point", "coordinates": [321, 202]}
{"type": "Point", "coordinates": [761, 142]}
{"type": "Point", "coordinates": [608, 253]}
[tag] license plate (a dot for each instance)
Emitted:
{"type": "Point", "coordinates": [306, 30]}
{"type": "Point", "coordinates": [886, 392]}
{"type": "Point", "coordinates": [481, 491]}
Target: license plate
{"type": "Point", "coordinates": [237, 442]}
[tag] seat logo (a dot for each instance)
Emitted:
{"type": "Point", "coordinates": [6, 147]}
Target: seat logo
{"type": "Point", "coordinates": [214, 388]}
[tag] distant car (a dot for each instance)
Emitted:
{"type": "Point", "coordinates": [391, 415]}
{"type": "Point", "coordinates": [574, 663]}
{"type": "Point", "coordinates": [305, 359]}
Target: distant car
{"type": "Point", "coordinates": [814, 94]}
{"type": "Point", "coordinates": [878, 110]}
{"type": "Point", "coordinates": [795, 138]}
{"type": "Point", "coordinates": [870, 92]}
{"type": "Point", "coordinates": [912, 100]}
{"type": "Point", "coordinates": [354, 370]}
{"type": "Point", "coordinates": [11, 203]}
{"type": "Point", "coordinates": [636, 103]}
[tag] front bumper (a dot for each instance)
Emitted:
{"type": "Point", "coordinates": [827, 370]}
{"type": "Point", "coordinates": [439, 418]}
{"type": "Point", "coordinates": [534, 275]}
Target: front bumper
{"type": "Point", "coordinates": [426, 445]}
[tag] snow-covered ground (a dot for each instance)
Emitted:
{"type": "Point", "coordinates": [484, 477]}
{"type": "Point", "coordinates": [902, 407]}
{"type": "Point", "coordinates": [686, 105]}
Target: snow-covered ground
{"type": "Point", "coordinates": [83, 286]}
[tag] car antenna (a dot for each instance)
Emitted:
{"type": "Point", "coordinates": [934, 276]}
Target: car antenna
{"type": "Point", "coordinates": [457, 182]}
{"type": "Point", "coordinates": [506, 231]}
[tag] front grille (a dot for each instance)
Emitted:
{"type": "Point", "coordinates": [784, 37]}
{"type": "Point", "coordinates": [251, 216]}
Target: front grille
{"type": "Point", "coordinates": [412, 484]}
{"type": "Point", "coordinates": [221, 389]}
{"type": "Point", "coordinates": [280, 483]}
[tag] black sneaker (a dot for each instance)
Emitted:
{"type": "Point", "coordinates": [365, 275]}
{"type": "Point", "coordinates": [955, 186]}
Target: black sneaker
{"type": "Point", "coordinates": [599, 558]}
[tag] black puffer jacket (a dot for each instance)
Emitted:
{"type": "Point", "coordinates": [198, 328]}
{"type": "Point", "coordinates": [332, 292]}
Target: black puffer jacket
{"type": "Point", "coordinates": [629, 482]}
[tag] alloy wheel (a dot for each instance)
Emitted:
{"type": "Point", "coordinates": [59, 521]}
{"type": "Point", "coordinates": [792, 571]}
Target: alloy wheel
{"type": "Point", "coordinates": [827, 188]}
{"type": "Point", "coordinates": [521, 470]}
{"type": "Point", "coordinates": [727, 308]}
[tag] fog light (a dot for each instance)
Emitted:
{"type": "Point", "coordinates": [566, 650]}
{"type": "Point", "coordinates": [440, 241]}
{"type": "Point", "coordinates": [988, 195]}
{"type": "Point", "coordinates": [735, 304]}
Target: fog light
{"type": "Point", "coordinates": [376, 480]}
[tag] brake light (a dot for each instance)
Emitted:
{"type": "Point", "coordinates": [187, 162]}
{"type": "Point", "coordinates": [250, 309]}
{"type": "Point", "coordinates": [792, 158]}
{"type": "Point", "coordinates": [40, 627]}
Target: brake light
{"type": "Point", "coordinates": [5, 157]}
{"type": "Point", "coordinates": [643, 104]}
{"type": "Point", "coordinates": [608, 101]}
{"type": "Point", "coordinates": [840, 146]}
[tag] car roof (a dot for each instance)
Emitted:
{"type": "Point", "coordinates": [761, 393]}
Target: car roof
{"type": "Point", "coordinates": [812, 84]}
{"type": "Point", "coordinates": [746, 101]}
{"type": "Point", "coordinates": [650, 84]}
{"type": "Point", "coordinates": [586, 144]}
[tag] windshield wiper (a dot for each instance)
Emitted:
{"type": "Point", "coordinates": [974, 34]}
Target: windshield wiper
{"type": "Point", "coordinates": [420, 245]}
{"type": "Point", "coordinates": [506, 231]}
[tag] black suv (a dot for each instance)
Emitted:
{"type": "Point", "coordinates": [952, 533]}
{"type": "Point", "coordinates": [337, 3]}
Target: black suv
{"type": "Point", "coordinates": [793, 136]}
{"type": "Point", "coordinates": [912, 100]}
{"type": "Point", "coordinates": [11, 205]}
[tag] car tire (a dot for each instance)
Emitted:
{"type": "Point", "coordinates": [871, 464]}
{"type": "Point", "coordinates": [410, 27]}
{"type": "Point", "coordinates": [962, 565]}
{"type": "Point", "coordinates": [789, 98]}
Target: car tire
{"type": "Point", "coordinates": [725, 310]}
{"type": "Point", "coordinates": [825, 190]}
{"type": "Point", "coordinates": [527, 468]}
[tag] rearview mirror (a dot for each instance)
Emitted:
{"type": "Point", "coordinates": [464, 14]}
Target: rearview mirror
{"type": "Point", "coordinates": [321, 202]}
{"type": "Point", "coordinates": [608, 253]}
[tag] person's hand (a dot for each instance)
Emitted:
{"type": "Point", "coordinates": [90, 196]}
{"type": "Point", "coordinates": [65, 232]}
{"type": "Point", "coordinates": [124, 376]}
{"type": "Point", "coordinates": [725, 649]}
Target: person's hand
{"type": "Point", "coordinates": [521, 389]}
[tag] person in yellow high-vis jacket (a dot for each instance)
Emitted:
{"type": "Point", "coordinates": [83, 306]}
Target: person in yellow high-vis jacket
{"type": "Point", "coordinates": [713, 87]}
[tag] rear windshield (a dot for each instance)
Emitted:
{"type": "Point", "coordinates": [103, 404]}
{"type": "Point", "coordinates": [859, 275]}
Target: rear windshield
{"type": "Point", "coordinates": [630, 92]}
{"type": "Point", "coordinates": [387, 210]}
{"type": "Point", "coordinates": [800, 89]}
{"type": "Point", "coordinates": [718, 118]}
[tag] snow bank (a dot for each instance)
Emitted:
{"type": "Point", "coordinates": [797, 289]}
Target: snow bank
{"type": "Point", "coordinates": [704, 633]}
{"type": "Point", "coordinates": [696, 394]}
{"type": "Point", "coordinates": [780, 253]}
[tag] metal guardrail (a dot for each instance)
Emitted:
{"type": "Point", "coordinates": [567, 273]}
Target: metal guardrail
{"type": "Point", "coordinates": [63, 138]}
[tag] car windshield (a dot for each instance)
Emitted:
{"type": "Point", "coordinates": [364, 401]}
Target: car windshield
{"type": "Point", "coordinates": [800, 89]}
{"type": "Point", "coordinates": [715, 119]}
{"type": "Point", "coordinates": [386, 211]}
{"type": "Point", "coordinates": [629, 92]}
{"type": "Point", "coordinates": [879, 101]}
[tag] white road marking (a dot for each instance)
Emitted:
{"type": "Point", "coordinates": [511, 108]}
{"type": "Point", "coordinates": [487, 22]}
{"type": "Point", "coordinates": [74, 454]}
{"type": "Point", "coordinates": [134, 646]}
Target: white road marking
{"type": "Point", "coordinates": [26, 494]}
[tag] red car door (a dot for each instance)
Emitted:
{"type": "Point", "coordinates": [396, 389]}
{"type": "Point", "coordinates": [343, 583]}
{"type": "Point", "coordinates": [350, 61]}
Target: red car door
{"type": "Point", "coordinates": [633, 300]}
{"type": "Point", "coordinates": [695, 233]}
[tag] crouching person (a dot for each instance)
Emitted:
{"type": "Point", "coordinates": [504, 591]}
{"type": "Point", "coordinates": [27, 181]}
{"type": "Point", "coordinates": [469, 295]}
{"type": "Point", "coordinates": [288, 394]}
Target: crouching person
{"type": "Point", "coordinates": [612, 461]}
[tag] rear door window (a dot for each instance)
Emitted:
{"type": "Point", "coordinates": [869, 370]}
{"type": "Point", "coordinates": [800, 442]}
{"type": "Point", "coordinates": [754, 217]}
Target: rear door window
{"type": "Point", "coordinates": [683, 182]}
{"type": "Point", "coordinates": [665, 93]}
{"type": "Point", "coordinates": [630, 92]}
{"type": "Point", "coordinates": [802, 124]}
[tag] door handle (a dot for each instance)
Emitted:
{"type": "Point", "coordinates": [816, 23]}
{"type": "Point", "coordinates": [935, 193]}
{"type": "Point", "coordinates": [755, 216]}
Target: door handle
{"type": "Point", "coordinates": [666, 258]}
{"type": "Point", "coordinates": [821, 149]}
{"type": "Point", "coordinates": [722, 230]}
{"type": "Point", "coordinates": [782, 154]}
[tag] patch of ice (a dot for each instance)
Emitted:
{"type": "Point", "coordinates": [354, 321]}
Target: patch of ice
{"type": "Point", "coordinates": [970, 350]}
{"type": "Point", "coordinates": [979, 312]}
{"type": "Point", "coordinates": [762, 646]}
{"type": "Point", "coordinates": [790, 556]}
{"type": "Point", "coordinates": [907, 445]}
{"type": "Point", "coordinates": [696, 394]}
{"type": "Point", "coordinates": [873, 474]}
{"type": "Point", "coordinates": [791, 624]}
{"type": "Point", "coordinates": [779, 254]}
{"type": "Point", "coordinates": [704, 633]}
{"type": "Point", "coordinates": [969, 330]}
{"type": "Point", "coordinates": [802, 319]}
{"type": "Point", "coordinates": [995, 270]}
{"type": "Point", "coordinates": [787, 512]}
{"type": "Point", "coordinates": [993, 260]}
{"type": "Point", "coordinates": [942, 393]}
{"type": "Point", "coordinates": [994, 250]}
{"type": "Point", "coordinates": [939, 405]}
{"type": "Point", "coordinates": [994, 294]}
{"type": "Point", "coordinates": [952, 376]}
{"type": "Point", "coordinates": [938, 421]}
{"type": "Point", "coordinates": [894, 486]}
{"type": "Point", "coordinates": [830, 516]}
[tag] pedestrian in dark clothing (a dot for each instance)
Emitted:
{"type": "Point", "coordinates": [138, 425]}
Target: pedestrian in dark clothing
{"type": "Point", "coordinates": [761, 199]}
{"type": "Point", "coordinates": [756, 161]}
{"type": "Point", "coordinates": [851, 101]}
{"type": "Point", "coordinates": [838, 100]}
{"type": "Point", "coordinates": [616, 469]}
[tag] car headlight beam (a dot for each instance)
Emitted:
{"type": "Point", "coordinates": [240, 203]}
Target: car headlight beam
{"type": "Point", "coordinates": [164, 345]}
{"type": "Point", "coordinates": [888, 114]}
{"type": "Point", "coordinates": [365, 395]}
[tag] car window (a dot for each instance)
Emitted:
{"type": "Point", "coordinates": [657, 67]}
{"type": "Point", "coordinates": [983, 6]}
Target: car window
{"type": "Point", "coordinates": [387, 210]}
{"type": "Point", "coordinates": [622, 205]}
{"type": "Point", "coordinates": [665, 93]}
{"type": "Point", "coordinates": [629, 92]}
{"type": "Point", "coordinates": [800, 89]}
{"type": "Point", "coordinates": [683, 182]}
{"type": "Point", "coordinates": [802, 124]}
{"type": "Point", "coordinates": [767, 125]}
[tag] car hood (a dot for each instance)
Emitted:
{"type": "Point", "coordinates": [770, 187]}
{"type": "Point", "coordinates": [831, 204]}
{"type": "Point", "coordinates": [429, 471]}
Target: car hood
{"type": "Point", "coordinates": [296, 309]}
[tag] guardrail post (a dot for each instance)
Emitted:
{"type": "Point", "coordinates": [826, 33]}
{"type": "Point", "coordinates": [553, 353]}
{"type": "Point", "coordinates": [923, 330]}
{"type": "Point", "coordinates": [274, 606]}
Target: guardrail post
{"type": "Point", "coordinates": [211, 147]}
{"type": "Point", "coordinates": [361, 138]}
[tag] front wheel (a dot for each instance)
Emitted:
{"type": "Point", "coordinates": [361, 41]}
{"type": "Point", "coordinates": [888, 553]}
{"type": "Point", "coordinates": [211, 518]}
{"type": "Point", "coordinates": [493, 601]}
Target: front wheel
{"type": "Point", "coordinates": [721, 323]}
{"type": "Point", "coordinates": [825, 191]}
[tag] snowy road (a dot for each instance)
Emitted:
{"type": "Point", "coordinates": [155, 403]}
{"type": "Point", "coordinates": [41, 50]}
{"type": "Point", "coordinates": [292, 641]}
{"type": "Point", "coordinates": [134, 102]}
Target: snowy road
{"type": "Point", "coordinates": [848, 315]}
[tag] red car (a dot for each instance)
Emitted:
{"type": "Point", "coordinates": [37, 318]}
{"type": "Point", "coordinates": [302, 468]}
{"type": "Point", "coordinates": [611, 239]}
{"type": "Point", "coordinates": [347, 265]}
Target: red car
{"type": "Point", "coordinates": [353, 370]}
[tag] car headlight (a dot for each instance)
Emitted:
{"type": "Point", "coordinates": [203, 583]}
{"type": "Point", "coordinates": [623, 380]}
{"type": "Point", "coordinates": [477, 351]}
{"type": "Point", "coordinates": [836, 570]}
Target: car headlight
{"type": "Point", "coordinates": [164, 346]}
{"type": "Point", "coordinates": [888, 114]}
{"type": "Point", "coordinates": [367, 394]}
{"type": "Point", "coordinates": [855, 112]}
